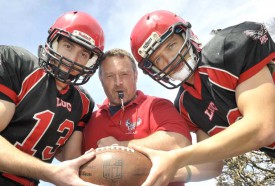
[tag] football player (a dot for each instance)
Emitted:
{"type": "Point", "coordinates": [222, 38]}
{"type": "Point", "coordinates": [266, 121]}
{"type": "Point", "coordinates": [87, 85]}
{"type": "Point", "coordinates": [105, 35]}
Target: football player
{"type": "Point", "coordinates": [42, 107]}
{"type": "Point", "coordinates": [226, 87]}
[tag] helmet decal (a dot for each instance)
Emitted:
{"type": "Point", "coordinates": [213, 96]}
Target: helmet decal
{"type": "Point", "coordinates": [152, 40]}
{"type": "Point", "coordinates": [85, 37]}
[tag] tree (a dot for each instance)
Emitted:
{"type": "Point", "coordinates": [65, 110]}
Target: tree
{"type": "Point", "coordinates": [250, 169]}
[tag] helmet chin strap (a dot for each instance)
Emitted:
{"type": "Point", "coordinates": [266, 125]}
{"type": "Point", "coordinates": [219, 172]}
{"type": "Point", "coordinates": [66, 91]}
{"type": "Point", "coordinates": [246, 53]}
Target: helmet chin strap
{"type": "Point", "coordinates": [186, 71]}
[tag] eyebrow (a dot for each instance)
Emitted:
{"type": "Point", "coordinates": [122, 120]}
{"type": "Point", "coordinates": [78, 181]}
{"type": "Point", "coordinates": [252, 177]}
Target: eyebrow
{"type": "Point", "coordinates": [74, 43]}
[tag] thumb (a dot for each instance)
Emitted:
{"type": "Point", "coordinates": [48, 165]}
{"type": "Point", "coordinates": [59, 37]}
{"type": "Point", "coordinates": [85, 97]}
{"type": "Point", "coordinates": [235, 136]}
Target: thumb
{"type": "Point", "coordinates": [143, 150]}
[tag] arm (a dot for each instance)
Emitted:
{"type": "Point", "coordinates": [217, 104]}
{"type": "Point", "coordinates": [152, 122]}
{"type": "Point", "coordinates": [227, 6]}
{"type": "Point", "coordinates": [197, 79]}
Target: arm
{"type": "Point", "coordinates": [72, 148]}
{"type": "Point", "coordinates": [161, 140]}
{"type": "Point", "coordinates": [163, 131]}
{"type": "Point", "coordinates": [200, 172]}
{"type": "Point", "coordinates": [17, 162]}
{"type": "Point", "coordinates": [256, 101]}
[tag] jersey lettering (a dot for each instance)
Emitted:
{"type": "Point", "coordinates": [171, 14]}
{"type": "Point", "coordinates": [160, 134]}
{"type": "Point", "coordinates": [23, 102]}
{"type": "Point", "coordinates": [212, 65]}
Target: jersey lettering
{"type": "Point", "coordinates": [66, 125]}
{"type": "Point", "coordinates": [233, 116]}
{"type": "Point", "coordinates": [61, 103]}
{"type": "Point", "coordinates": [44, 120]}
{"type": "Point", "coordinates": [210, 110]}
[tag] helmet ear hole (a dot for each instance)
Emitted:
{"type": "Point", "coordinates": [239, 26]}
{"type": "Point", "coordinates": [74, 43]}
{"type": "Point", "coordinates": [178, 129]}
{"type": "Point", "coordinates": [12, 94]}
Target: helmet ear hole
{"type": "Point", "coordinates": [147, 64]}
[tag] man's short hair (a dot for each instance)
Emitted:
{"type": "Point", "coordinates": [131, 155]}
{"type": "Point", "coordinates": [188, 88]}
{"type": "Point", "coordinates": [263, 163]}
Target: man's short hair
{"type": "Point", "coordinates": [117, 52]}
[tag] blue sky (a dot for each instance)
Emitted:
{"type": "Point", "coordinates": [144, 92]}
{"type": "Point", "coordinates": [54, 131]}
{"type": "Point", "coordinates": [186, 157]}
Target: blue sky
{"type": "Point", "coordinates": [25, 23]}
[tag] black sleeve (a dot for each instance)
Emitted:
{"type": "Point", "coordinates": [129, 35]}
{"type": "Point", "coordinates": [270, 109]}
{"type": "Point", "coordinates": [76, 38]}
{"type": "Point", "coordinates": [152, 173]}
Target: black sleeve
{"type": "Point", "coordinates": [15, 65]}
{"type": "Point", "coordinates": [240, 48]}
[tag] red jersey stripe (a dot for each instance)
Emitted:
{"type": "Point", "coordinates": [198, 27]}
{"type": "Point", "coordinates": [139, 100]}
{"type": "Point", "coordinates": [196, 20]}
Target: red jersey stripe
{"type": "Point", "coordinates": [85, 102]}
{"type": "Point", "coordinates": [8, 92]}
{"type": "Point", "coordinates": [220, 77]}
{"type": "Point", "coordinates": [256, 68]}
{"type": "Point", "coordinates": [29, 82]}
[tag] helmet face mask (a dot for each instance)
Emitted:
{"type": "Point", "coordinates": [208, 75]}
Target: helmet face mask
{"type": "Point", "coordinates": [165, 76]}
{"type": "Point", "coordinates": [159, 27]}
{"type": "Point", "coordinates": [78, 28]}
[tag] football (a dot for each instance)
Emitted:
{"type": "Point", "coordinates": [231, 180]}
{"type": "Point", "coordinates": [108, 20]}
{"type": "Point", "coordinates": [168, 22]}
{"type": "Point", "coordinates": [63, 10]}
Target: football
{"type": "Point", "coordinates": [116, 166]}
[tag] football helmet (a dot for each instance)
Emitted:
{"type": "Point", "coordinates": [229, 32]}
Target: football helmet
{"type": "Point", "coordinates": [150, 32]}
{"type": "Point", "coordinates": [81, 29]}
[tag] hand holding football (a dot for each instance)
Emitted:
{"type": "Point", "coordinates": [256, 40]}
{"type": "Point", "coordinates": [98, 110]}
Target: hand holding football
{"type": "Point", "coordinates": [116, 166]}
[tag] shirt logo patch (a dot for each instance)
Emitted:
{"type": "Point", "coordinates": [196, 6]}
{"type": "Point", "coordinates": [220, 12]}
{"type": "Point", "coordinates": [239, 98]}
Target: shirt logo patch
{"type": "Point", "coordinates": [258, 34]}
{"type": "Point", "coordinates": [131, 126]}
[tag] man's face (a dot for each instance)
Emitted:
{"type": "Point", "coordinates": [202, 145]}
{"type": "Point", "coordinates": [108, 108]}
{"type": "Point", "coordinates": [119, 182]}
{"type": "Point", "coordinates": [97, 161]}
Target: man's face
{"type": "Point", "coordinates": [118, 75]}
{"type": "Point", "coordinates": [73, 52]}
{"type": "Point", "coordinates": [167, 53]}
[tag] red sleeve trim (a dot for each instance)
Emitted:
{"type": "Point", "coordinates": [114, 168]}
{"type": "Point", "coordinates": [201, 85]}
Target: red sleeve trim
{"type": "Point", "coordinates": [255, 69]}
{"type": "Point", "coordinates": [220, 77]}
{"type": "Point", "coordinates": [85, 102]}
{"type": "Point", "coordinates": [8, 92]}
{"type": "Point", "coordinates": [81, 124]}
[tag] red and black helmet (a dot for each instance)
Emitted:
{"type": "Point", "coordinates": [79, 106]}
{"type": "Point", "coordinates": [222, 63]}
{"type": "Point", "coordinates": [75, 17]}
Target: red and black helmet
{"type": "Point", "coordinates": [150, 32]}
{"type": "Point", "coordinates": [82, 29]}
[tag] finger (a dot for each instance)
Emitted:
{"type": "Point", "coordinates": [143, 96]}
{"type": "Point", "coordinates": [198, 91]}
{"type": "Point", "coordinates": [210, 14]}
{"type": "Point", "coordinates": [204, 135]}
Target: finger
{"type": "Point", "coordinates": [150, 181]}
{"type": "Point", "coordinates": [89, 155]}
{"type": "Point", "coordinates": [155, 181]}
{"type": "Point", "coordinates": [99, 143]}
{"type": "Point", "coordinates": [143, 150]}
{"type": "Point", "coordinates": [89, 184]}
{"type": "Point", "coordinates": [88, 151]}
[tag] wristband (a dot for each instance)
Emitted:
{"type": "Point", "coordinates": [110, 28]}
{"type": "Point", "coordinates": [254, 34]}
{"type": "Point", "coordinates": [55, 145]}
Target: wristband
{"type": "Point", "coordinates": [189, 174]}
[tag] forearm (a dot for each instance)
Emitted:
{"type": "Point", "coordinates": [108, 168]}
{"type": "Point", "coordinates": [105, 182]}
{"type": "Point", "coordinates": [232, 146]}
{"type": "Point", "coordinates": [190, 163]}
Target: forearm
{"type": "Point", "coordinates": [19, 163]}
{"type": "Point", "coordinates": [199, 172]}
{"type": "Point", "coordinates": [160, 140]}
{"type": "Point", "coordinates": [72, 149]}
{"type": "Point", "coordinates": [235, 140]}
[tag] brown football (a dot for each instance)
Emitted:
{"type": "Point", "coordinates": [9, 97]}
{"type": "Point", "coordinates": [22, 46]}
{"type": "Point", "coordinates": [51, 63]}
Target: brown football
{"type": "Point", "coordinates": [116, 166]}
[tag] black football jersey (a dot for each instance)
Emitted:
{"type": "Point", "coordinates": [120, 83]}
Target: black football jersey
{"type": "Point", "coordinates": [44, 118]}
{"type": "Point", "coordinates": [231, 57]}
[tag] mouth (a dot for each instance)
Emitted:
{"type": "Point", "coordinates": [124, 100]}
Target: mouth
{"type": "Point", "coordinates": [120, 94]}
{"type": "Point", "coordinates": [178, 68]}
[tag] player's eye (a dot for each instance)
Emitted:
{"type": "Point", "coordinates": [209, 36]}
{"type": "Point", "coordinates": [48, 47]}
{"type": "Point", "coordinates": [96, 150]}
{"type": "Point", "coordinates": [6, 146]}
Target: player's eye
{"type": "Point", "coordinates": [171, 45]}
{"type": "Point", "coordinates": [158, 60]}
{"type": "Point", "coordinates": [85, 55]}
{"type": "Point", "coordinates": [67, 45]}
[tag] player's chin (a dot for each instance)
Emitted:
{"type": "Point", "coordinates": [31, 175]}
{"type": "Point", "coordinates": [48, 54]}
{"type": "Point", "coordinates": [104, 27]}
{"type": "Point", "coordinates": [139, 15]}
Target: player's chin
{"type": "Point", "coordinates": [178, 68]}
